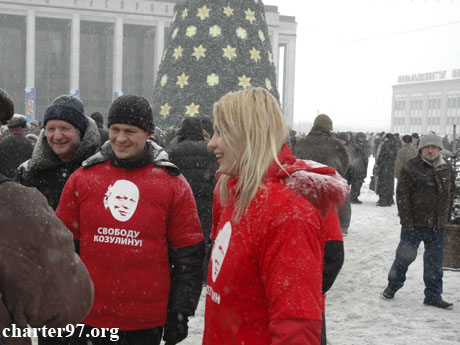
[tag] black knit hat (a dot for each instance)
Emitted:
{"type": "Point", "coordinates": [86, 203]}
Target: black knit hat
{"type": "Point", "coordinates": [132, 110]}
{"type": "Point", "coordinates": [6, 107]}
{"type": "Point", "coordinates": [67, 108]}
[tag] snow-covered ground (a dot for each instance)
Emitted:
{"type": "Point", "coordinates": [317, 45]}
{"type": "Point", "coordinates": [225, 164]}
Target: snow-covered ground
{"type": "Point", "coordinates": [356, 314]}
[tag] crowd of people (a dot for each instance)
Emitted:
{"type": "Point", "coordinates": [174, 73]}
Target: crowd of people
{"type": "Point", "coordinates": [140, 219]}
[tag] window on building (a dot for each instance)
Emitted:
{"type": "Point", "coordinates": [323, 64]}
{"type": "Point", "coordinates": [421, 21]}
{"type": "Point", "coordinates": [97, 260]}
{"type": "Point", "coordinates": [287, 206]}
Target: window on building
{"type": "Point", "coordinates": [13, 58]}
{"type": "Point", "coordinates": [138, 58]}
{"type": "Point", "coordinates": [96, 65]}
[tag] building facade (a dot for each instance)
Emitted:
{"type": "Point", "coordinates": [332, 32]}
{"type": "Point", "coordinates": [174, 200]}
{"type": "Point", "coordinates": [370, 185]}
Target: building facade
{"type": "Point", "coordinates": [101, 49]}
{"type": "Point", "coordinates": [427, 102]}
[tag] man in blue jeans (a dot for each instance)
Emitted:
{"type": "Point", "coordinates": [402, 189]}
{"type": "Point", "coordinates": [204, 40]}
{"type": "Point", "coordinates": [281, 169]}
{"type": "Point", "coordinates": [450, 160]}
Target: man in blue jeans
{"type": "Point", "coordinates": [424, 196]}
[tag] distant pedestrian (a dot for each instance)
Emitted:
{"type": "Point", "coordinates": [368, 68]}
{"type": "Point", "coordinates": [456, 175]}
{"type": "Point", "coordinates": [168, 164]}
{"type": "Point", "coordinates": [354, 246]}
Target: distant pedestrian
{"type": "Point", "coordinates": [15, 148]}
{"type": "Point", "coordinates": [407, 152]}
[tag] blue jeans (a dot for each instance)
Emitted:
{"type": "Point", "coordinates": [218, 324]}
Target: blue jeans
{"type": "Point", "coordinates": [406, 253]}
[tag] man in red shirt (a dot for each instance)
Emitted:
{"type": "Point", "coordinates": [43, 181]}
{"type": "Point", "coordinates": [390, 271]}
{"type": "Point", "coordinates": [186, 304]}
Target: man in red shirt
{"type": "Point", "coordinates": [140, 237]}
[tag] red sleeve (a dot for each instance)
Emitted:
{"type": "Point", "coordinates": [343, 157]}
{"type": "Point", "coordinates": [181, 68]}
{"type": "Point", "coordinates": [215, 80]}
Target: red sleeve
{"type": "Point", "coordinates": [332, 229]}
{"type": "Point", "coordinates": [184, 228]}
{"type": "Point", "coordinates": [295, 332]}
{"type": "Point", "coordinates": [68, 210]}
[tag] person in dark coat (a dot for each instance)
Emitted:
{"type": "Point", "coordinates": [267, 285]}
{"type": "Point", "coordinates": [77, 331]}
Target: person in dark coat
{"type": "Point", "coordinates": [99, 119]}
{"type": "Point", "coordinates": [358, 165]}
{"type": "Point", "coordinates": [320, 146]}
{"type": "Point", "coordinates": [199, 165]}
{"type": "Point", "coordinates": [424, 196]}
{"type": "Point", "coordinates": [69, 138]}
{"type": "Point", "coordinates": [15, 148]}
{"type": "Point", "coordinates": [30, 233]}
{"type": "Point", "coordinates": [384, 170]}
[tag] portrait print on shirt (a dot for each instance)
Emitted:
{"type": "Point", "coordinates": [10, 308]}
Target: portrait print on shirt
{"type": "Point", "coordinates": [220, 249]}
{"type": "Point", "coordinates": [121, 199]}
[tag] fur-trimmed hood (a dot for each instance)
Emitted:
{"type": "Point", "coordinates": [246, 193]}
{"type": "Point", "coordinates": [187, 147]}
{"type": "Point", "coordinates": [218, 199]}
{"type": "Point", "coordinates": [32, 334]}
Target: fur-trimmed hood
{"type": "Point", "coordinates": [44, 158]}
{"type": "Point", "coordinates": [320, 184]}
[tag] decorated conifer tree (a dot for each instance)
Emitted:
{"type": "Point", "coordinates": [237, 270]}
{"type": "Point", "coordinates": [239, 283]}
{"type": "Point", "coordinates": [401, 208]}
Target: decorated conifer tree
{"type": "Point", "coordinates": [215, 46]}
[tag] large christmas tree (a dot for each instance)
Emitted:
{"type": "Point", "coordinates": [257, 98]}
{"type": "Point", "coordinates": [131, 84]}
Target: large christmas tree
{"type": "Point", "coordinates": [215, 46]}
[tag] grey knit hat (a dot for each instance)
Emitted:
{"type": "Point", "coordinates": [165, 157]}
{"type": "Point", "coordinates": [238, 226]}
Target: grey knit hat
{"type": "Point", "coordinates": [17, 121]}
{"type": "Point", "coordinates": [430, 140]}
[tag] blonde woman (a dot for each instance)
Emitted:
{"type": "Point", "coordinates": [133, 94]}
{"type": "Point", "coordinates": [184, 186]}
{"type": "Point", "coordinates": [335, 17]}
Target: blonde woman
{"type": "Point", "coordinates": [265, 273]}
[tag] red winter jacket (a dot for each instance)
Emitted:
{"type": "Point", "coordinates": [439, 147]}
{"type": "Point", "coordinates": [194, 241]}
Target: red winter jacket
{"type": "Point", "coordinates": [265, 273]}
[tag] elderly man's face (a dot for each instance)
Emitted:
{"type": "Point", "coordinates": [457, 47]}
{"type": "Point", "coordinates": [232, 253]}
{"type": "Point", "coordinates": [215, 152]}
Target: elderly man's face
{"type": "Point", "coordinates": [431, 152]}
{"type": "Point", "coordinates": [62, 137]}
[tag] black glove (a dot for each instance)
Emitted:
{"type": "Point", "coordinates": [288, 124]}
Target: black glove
{"type": "Point", "coordinates": [176, 328]}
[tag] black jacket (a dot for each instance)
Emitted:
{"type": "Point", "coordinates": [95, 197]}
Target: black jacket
{"type": "Point", "coordinates": [425, 193]}
{"type": "Point", "coordinates": [320, 146]}
{"type": "Point", "coordinates": [198, 164]}
{"type": "Point", "coordinates": [14, 150]}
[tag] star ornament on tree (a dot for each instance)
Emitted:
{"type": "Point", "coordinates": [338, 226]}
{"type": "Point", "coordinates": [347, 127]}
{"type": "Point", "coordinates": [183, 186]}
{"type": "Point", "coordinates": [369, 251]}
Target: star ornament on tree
{"type": "Point", "coordinates": [244, 81]}
{"type": "Point", "coordinates": [203, 12]}
{"type": "Point", "coordinates": [213, 79]}
{"type": "Point", "coordinates": [182, 80]}
{"type": "Point", "coordinates": [255, 54]}
{"type": "Point", "coordinates": [215, 30]}
{"type": "Point", "coordinates": [241, 33]}
{"type": "Point", "coordinates": [184, 13]}
{"type": "Point", "coordinates": [165, 110]}
{"type": "Point", "coordinates": [192, 109]}
{"type": "Point", "coordinates": [250, 15]}
{"type": "Point", "coordinates": [228, 11]}
{"type": "Point", "coordinates": [199, 52]}
{"type": "Point", "coordinates": [229, 52]}
{"type": "Point", "coordinates": [178, 52]}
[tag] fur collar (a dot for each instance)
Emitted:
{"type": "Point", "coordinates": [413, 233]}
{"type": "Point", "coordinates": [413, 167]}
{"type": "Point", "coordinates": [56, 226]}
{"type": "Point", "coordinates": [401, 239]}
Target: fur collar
{"type": "Point", "coordinates": [44, 158]}
{"type": "Point", "coordinates": [158, 157]}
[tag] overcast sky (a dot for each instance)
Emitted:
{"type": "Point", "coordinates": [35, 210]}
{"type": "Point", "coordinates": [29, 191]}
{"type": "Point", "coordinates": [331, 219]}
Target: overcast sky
{"type": "Point", "coordinates": [350, 53]}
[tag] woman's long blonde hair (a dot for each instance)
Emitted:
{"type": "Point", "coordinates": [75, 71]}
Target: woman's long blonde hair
{"type": "Point", "coordinates": [252, 121]}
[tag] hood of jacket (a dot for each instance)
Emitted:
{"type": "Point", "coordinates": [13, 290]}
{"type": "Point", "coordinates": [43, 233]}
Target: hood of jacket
{"type": "Point", "coordinates": [320, 184]}
{"type": "Point", "coordinates": [44, 158]}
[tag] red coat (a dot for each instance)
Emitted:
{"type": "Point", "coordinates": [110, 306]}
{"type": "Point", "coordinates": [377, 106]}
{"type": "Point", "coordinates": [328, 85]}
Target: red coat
{"type": "Point", "coordinates": [265, 273]}
{"type": "Point", "coordinates": [124, 232]}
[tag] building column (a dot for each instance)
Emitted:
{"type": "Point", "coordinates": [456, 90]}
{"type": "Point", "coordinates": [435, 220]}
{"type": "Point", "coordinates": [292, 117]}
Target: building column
{"type": "Point", "coordinates": [159, 48]}
{"type": "Point", "coordinates": [75, 56]}
{"type": "Point", "coordinates": [289, 81]}
{"type": "Point", "coordinates": [30, 67]}
{"type": "Point", "coordinates": [117, 59]}
{"type": "Point", "coordinates": [275, 40]}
